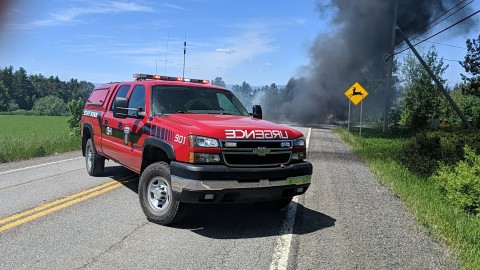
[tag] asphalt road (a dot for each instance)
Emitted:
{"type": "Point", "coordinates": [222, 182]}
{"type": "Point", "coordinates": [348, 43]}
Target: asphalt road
{"type": "Point", "coordinates": [54, 216]}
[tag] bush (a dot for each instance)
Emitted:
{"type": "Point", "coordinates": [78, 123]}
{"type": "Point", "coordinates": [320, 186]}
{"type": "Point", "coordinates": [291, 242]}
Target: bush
{"type": "Point", "coordinates": [421, 154]}
{"type": "Point", "coordinates": [461, 184]}
{"type": "Point", "coordinates": [453, 143]}
{"type": "Point", "coordinates": [76, 110]}
{"type": "Point", "coordinates": [50, 105]}
{"type": "Point", "coordinates": [18, 112]}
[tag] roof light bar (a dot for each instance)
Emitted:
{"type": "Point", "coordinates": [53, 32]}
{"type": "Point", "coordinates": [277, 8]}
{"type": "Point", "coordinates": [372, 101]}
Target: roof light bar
{"type": "Point", "coordinates": [142, 76]}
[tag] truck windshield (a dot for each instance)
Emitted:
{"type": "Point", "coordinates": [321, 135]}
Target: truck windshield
{"type": "Point", "coordinates": [185, 99]}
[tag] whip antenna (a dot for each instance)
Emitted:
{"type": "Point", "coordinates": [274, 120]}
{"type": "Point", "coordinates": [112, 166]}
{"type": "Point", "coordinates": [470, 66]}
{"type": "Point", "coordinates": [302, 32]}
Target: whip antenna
{"type": "Point", "coordinates": [184, 53]}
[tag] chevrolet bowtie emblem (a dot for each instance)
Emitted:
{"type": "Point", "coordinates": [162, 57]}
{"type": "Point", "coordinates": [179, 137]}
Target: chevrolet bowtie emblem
{"type": "Point", "coordinates": [261, 151]}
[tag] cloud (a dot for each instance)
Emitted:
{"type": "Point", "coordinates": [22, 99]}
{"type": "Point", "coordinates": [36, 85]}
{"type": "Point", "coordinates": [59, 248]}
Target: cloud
{"type": "Point", "coordinates": [243, 48]}
{"type": "Point", "coordinates": [73, 14]}
{"type": "Point", "coordinates": [225, 50]}
{"type": "Point", "coordinates": [172, 6]}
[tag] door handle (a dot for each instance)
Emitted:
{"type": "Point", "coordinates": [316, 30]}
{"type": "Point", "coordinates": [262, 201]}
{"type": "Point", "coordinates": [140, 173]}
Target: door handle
{"type": "Point", "coordinates": [120, 125]}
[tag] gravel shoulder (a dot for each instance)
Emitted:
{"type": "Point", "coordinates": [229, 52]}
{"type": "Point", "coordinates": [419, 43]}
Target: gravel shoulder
{"type": "Point", "coordinates": [372, 228]}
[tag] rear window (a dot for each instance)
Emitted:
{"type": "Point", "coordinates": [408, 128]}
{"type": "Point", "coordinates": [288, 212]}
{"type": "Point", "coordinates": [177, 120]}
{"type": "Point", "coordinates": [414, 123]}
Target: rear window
{"type": "Point", "coordinates": [98, 96]}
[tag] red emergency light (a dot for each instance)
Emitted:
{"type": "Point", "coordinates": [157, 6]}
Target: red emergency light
{"type": "Point", "coordinates": [142, 76]}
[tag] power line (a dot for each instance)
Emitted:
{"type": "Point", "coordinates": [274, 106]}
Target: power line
{"type": "Point", "coordinates": [426, 25]}
{"type": "Point", "coordinates": [441, 15]}
{"type": "Point", "coordinates": [438, 43]}
{"type": "Point", "coordinates": [445, 59]}
{"type": "Point", "coordinates": [445, 29]}
{"type": "Point", "coordinates": [445, 17]}
{"type": "Point", "coordinates": [452, 60]}
{"type": "Point", "coordinates": [448, 45]}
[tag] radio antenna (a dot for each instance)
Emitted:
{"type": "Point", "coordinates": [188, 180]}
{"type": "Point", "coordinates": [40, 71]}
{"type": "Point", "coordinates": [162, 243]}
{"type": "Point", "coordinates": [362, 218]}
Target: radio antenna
{"type": "Point", "coordinates": [184, 53]}
{"type": "Point", "coordinates": [166, 53]}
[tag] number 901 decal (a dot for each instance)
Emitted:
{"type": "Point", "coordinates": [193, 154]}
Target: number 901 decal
{"type": "Point", "coordinates": [180, 139]}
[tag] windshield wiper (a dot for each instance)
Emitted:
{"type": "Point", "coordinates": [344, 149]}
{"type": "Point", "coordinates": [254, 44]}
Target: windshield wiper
{"type": "Point", "coordinates": [184, 112]}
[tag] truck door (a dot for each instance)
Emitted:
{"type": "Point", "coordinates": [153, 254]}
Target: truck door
{"type": "Point", "coordinates": [112, 128]}
{"type": "Point", "coordinates": [130, 149]}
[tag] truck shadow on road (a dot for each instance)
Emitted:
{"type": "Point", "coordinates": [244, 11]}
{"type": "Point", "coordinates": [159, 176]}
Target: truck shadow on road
{"type": "Point", "coordinates": [239, 221]}
{"type": "Point", "coordinates": [119, 173]}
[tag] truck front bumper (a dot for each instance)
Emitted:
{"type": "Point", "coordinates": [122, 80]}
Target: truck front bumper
{"type": "Point", "coordinates": [218, 183]}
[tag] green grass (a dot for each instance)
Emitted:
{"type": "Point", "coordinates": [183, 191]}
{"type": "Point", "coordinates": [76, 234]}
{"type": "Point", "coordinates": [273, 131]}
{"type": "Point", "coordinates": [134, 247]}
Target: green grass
{"type": "Point", "coordinates": [23, 137]}
{"type": "Point", "coordinates": [456, 228]}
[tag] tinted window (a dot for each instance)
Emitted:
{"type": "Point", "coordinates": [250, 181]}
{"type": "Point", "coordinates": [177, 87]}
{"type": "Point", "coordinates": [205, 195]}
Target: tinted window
{"type": "Point", "coordinates": [97, 98]}
{"type": "Point", "coordinates": [137, 99]}
{"type": "Point", "coordinates": [122, 92]}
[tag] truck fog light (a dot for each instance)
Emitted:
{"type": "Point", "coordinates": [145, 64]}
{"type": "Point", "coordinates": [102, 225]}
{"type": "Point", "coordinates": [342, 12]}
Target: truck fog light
{"type": "Point", "coordinates": [206, 158]}
{"type": "Point", "coordinates": [298, 156]}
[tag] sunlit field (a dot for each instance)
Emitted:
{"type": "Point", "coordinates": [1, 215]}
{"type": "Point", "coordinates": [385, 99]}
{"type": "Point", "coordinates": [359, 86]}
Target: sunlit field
{"type": "Point", "coordinates": [23, 137]}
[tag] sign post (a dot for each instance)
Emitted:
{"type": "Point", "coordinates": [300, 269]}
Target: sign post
{"type": "Point", "coordinates": [361, 112]}
{"type": "Point", "coordinates": [356, 93]}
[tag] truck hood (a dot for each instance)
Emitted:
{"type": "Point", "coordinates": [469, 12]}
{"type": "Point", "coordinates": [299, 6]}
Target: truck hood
{"type": "Point", "coordinates": [227, 126]}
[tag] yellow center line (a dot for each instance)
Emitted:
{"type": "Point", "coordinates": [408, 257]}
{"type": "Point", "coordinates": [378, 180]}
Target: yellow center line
{"type": "Point", "coordinates": [54, 206]}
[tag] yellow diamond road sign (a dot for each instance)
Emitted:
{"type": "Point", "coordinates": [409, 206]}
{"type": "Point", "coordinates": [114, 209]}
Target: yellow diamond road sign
{"type": "Point", "coordinates": [356, 93]}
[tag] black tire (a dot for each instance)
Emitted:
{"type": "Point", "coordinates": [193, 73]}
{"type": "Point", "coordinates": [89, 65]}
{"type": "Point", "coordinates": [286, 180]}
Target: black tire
{"type": "Point", "coordinates": [93, 161]}
{"type": "Point", "coordinates": [156, 196]}
{"type": "Point", "coordinates": [274, 205]}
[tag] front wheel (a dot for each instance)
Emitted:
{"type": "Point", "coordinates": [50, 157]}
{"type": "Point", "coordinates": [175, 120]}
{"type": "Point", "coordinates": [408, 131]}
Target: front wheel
{"type": "Point", "coordinates": [274, 205]}
{"type": "Point", "coordinates": [93, 161]}
{"type": "Point", "coordinates": [155, 194]}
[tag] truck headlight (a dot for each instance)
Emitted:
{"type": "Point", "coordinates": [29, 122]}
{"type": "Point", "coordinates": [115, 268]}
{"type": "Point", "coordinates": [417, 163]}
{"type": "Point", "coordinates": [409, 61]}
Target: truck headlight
{"type": "Point", "coordinates": [299, 149]}
{"type": "Point", "coordinates": [203, 150]}
{"type": "Point", "coordinates": [299, 142]}
{"type": "Point", "coordinates": [199, 141]}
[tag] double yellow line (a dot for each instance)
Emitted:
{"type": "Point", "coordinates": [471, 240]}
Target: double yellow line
{"type": "Point", "coordinates": [50, 207]}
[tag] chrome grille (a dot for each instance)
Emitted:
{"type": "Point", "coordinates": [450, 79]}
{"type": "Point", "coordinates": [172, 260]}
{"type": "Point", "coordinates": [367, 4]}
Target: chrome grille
{"type": "Point", "coordinates": [258, 153]}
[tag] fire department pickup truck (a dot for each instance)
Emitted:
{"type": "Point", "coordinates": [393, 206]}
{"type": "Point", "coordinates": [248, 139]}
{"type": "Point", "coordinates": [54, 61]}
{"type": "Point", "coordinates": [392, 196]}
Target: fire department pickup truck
{"type": "Point", "coordinates": [192, 142]}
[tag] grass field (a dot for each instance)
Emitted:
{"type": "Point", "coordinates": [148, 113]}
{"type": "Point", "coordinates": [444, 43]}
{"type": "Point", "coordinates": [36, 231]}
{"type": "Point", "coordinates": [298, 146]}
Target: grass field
{"type": "Point", "coordinates": [23, 137]}
{"type": "Point", "coordinates": [456, 228]}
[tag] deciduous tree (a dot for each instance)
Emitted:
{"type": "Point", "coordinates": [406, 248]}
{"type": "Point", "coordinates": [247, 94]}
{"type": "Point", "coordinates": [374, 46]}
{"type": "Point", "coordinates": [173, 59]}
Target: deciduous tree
{"type": "Point", "coordinates": [471, 64]}
{"type": "Point", "coordinates": [422, 102]}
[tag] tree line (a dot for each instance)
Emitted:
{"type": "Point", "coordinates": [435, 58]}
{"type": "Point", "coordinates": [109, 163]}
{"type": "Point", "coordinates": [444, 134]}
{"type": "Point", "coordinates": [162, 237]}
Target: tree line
{"type": "Point", "coordinates": [20, 92]}
{"type": "Point", "coordinates": [249, 95]}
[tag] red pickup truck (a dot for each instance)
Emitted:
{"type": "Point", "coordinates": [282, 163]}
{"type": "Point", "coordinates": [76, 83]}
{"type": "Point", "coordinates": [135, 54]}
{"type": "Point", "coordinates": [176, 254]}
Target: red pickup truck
{"type": "Point", "coordinates": [192, 142]}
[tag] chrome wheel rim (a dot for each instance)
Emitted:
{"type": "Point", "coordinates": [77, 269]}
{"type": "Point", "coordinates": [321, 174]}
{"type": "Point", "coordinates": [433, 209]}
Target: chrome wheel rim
{"type": "Point", "coordinates": [89, 158]}
{"type": "Point", "coordinates": [159, 193]}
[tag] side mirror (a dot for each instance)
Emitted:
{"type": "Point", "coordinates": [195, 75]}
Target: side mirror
{"type": "Point", "coordinates": [257, 111]}
{"type": "Point", "coordinates": [120, 107]}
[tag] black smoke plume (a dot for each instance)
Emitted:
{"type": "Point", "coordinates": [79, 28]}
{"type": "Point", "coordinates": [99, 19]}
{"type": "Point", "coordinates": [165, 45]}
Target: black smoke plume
{"type": "Point", "coordinates": [353, 49]}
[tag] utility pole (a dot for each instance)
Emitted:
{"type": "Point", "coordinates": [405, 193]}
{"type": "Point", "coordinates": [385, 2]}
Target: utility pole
{"type": "Point", "coordinates": [388, 88]}
{"type": "Point", "coordinates": [436, 80]}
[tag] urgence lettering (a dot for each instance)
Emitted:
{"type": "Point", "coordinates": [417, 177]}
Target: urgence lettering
{"type": "Point", "coordinates": [255, 134]}
{"type": "Point", "coordinates": [180, 139]}
{"type": "Point", "coordinates": [93, 114]}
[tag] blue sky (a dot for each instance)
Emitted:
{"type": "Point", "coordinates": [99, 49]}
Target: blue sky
{"type": "Point", "coordinates": [260, 42]}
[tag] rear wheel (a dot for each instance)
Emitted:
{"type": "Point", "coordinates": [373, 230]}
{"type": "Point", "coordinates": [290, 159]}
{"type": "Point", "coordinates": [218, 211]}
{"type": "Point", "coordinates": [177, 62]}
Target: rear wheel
{"type": "Point", "coordinates": [94, 162]}
{"type": "Point", "coordinates": [156, 197]}
{"type": "Point", "coordinates": [274, 205]}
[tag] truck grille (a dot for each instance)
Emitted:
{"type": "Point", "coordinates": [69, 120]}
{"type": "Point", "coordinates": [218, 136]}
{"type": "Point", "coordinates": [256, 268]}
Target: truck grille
{"type": "Point", "coordinates": [256, 153]}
